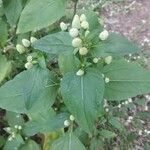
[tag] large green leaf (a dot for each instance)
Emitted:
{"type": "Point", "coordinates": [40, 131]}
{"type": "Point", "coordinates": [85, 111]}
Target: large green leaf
{"type": "Point", "coordinates": [68, 142]}
{"type": "Point", "coordinates": [54, 43]}
{"type": "Point", "coordinates": [39, 14]}
{"type": "Point", "coordinates": [3, 33]}
{"type": "Point", "coordinates": [5, 67]}
{"type": "Point", "coordinates": [30, 87]}
{"type": "Point", "coordinates": [83, 96]}
{"type": "Point", "coordinates": [12, 9]}
{"type": "Point", "coordinates": [47, 124]}
{"type": "Point", "coordinates": [126, 80]}
{"type": "Point", "coordinates": [115, 45]}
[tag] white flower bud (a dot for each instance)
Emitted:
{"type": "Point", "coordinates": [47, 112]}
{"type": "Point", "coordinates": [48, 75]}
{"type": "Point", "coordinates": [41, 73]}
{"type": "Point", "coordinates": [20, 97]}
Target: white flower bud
{"type": "Point", "coordinates": [107, 109]}
{"type": "Point", "coordinates": [63, 26]}
{"type": "Point", "coordinates": [8, 129]}
{"type": "Point", "coordinates": [103, 76]}
{"type": "Point", "coordinates": [66, 123]}
{"type": "Point", "coordinates": [77, 42]}
{"type": "Point", "coordinates": [107, 80]}
{"type": "Point", "coordinates": [10, 138]}
{"type": "Point", "coordinates": [123, 103]}
{"type": "Point", "coordinates": [80, 72]}
{"type": "Point", "coordinates": [83, 51]}
{"type": "Point", "coordinates": [33, 39]}
{"type": "Point", "coordinates": [26, 43]}
{"type": "Point", "coordinates": [28, 65]}
{"type": "Point", "coordinates": [130, 100]}
{"type": "Point", "coordinates": [74, 32]}
{"type": "Point", "coordinates": [19, 127]}
{"type": "Point", "coordinates": [130, 117]}
{"type": "Point", "coordinates": [72, 118]}
{"type": "Point", "coordinates": [76, 22]}
{"type": "Point", "coordinates": [126, 102]}
{"type": "Point", "coordinates": [140, 132]}
{"type": "Point", "coordinates": [95, 60]}
{"type": "Point", "coordinates": [108, 59]}
{"type": "Point", "coordinates": [86, 33]}
{"type": "Point", "coordinates": [16, 126]}
{"type": "Point", "coordinates": [20, 48]}
{"type": "Point", "coordinates": [85, 25]}
{"type": "Point", "coordinates": [29, 58]}
{"type": "Point", "coordinates": [146, 108]}
{"type": "Point", "coordinates": [82, 18]}
{"type": "Point", "coordinates": [104, 35]}
{"type": "Point", "coordinates": [119, 106]}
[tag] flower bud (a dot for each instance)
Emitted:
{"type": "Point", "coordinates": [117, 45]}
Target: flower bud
{"type": "Point", "coordinates": [66, 123]}
{"type": "Point", "coordinates": [130, 100]}
{"type": "Point", "coordinates": [80, 72]}
{"type": "Point", "coordinates": [74, 32]}
{"type": "Point", "coordinates": [28, 65]}
{"type": "Point", "coordinates": [104, 35]}
{"type": "Point", "coordinates": [29, 58]}
{"type": "Point", "coordinates": [72, 118]}
{"type": "Point", "coordinates": [119, 106]}
{"type": "Point", "coordinates": [108, 59]}
{"type": "Point", "coordinates": [85, 25]}
{"type": "Point", "coordinates": [76, 22]}
{"type": "Point", "coordinates": [63, 26]}
{"type": "Point", "coordinates": [20, 48]}
{"type": "Point", "coordinates": [126, 102]}
{"type": "Point", "coordinates": [95, 60]}
{"type": "Point", "coordinates": [33, 39]}
{"type": "Point", "coordinates": [77, 42]}
{"type": "Point", "coordinates": [19, 127]}
{"type": "Point", "coordinates": [26, 43]}
{"type": "Point", "coordinates": [86, 33]}
{"type": "Point", "coordinates": [107, 80]}
{"type": "Point", "coordinates": [140, 132]}
{"type": "Point", "coordinates": [82, 18]}
{"type": "Point", "coordinates": [83, 51]}
{"type": "Point", "coordinates": [107, 109]}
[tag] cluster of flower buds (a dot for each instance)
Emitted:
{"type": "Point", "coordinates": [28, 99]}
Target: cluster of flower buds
{"type": "Point", "coordinates": [18, 127]}
{"type": "Point", "coordinates": [67, 122]}
{"type": "Point", "coordinates": [29, 63]}
{"type": "Point", "coordinates": [21, 48]}
{"type": "Point", "coordinates": [140, 132]}
{"type": "Point", "coordinates": [125, 102]}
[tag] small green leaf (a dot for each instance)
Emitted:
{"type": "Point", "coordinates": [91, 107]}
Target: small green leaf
{"type": "Point", "coordinates": [83, 96]}
{"type": "Point", "coordinates": [115, 45]}
{"type": "Point", "coordinates": [30, 145]}
{"type": "Point", "coordinates": [54, 43]}
{"type": "Point", "coordinates": [107, 134]}
{"type": "Point", "coordinates": [126, 80]}
{"type": "Point", "coordinates": [68, 142]}
{"type": "Point", "coordinates": [68, 62]}
{"type": "Point", "coordinates": [5, 67]}
{"type": "Point", "coordinates": [39, 14]}
{"type": "Point", "coordinates": [3, 33]}
{"type": "Point", "coordinates": [14, 143]}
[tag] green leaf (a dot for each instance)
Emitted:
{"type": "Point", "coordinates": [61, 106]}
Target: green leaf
{"type": "Point", "coordinates": [28, 89]}
{"type": "Point", "coordinates": [107, 134]}
{"type": "Point", "coordinates": [3, 33]}
{"type": "Point", "coordinates": [5, 67]}
{"type": "Point", "coordinates": [12, 9]}
{"type": "Point", "coordinates": [14, 143]}
{"type": "Point", "coordinates": [45, 125]}
{"type": "Point", "coordinates": [143, 115]}
{"type": "Point", "coordinates": [95, 144]}
{"type": "Point", "coordinates": [14, 119]}
{"type": "Point", "coordinates": [39, 14]}
{"type": "Point", "coordinates": [68, 142]}
{"type": "Point", "coordinates": [30, 145]}
{"type": "Point", "coordinates": [115, 123]}
{"type": "Point", "coordinates": [68, 62]}
{"type": "Point", "coordinates": [126, 80]}
{"type": "Point", "coordinates": [54, 43]}
{"type": "Point", "coordinates": [83, 96]}
{"type": "Point", "coordinates": [115, 45]}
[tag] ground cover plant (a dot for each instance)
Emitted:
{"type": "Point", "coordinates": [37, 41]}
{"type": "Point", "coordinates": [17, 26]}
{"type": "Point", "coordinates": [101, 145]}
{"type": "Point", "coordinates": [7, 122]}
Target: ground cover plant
{"type": "Point", "coordinates": [65, 81]}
